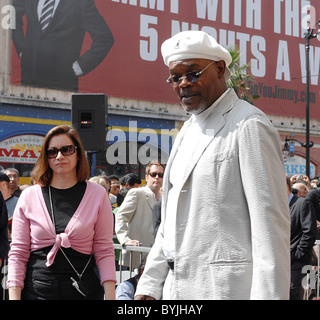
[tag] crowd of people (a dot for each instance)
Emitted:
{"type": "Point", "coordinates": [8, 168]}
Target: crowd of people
{"type": "Point", "coordinates": [304, 200]}
{"type": "Point", "coordinates": [130, 202]}
{"type": "Point", "coordinates": [136, 219]}
{"type": "Point", "coordinates": [207, 240]}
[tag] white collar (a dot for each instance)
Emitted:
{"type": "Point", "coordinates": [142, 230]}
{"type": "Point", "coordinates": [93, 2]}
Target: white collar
{"type": "Point", "coordinates": [203, 116]}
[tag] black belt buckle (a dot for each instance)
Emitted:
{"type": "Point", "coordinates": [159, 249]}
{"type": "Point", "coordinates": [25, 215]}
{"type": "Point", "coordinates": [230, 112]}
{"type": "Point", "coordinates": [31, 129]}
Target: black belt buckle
{"type": "Point", "coordinates": [171, 263]}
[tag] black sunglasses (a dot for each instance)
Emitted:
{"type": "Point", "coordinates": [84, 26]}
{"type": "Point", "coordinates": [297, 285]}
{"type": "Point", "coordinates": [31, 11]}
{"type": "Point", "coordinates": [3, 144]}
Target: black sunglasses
{"type": "Point", "coordinates": [154, 174]}
{"type": "Point", "coordinates": [192, 76]}
{"type": "Point", "coordinates": [65, 150]}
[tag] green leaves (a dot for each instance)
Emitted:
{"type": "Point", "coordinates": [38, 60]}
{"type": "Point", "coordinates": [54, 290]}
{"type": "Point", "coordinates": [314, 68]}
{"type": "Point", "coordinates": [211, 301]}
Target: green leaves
{"type": "Point", "coordinates": [240, 81]}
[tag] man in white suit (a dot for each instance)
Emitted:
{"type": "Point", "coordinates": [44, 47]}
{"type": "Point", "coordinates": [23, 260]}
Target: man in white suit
{"type": "Point", "coordinates": [134, 219]}
{"type": "Point", "coordinates": [214, 242]}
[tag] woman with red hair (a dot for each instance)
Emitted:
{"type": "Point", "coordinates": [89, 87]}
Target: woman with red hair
{"type": "Point", "coordinates": [62, 228]}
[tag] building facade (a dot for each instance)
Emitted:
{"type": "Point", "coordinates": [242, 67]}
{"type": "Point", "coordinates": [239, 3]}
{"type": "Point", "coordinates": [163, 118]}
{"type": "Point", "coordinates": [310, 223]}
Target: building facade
{"type": "Point", "coordinates": [143, 114]}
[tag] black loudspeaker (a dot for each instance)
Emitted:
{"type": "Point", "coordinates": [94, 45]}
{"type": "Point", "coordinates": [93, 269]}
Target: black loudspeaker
{"type": "Point", "coordinates": [89, 115]}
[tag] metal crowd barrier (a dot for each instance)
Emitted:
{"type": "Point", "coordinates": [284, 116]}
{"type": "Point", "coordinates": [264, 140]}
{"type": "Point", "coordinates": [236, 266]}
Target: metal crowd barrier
{"type": "Point", "coordinates": [130, 249]}
{"type": "Point", "coordinates": [312, 273]}
{"type": "Point", "coordinates": [4, 271]}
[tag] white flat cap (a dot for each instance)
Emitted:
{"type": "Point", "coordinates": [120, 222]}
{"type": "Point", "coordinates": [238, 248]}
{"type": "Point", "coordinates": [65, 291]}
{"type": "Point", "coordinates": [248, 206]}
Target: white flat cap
{"type": "Point", "coordinates": [195, 45]}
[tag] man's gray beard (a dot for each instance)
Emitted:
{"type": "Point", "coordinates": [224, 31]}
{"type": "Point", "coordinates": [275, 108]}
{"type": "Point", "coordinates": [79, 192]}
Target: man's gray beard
{"type": "Point", "coordinates": [196, 112]}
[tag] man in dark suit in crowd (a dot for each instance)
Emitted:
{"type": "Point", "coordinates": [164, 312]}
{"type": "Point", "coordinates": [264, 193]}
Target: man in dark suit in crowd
{"type": "Point", "coordinates": [314, 195]}
{"type": "Point", "coordinates": [50, 49]}
{"type": "Point", "coordinates": [303, 236]}
{"type": "Point", "coordinates": [4, 244]}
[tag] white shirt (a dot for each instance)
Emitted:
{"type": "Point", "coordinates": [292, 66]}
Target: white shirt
{"type": "Point", "coordinates": [183, 156]}
{"type": "Point", "coordinates": [290, 197]}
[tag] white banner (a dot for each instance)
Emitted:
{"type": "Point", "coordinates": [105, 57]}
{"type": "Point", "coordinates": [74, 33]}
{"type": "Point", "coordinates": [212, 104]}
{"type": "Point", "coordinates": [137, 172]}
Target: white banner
{"type": "Point", "coordinates": [21, 149]}
{"type": "Point", "coordinates": [297, 165]}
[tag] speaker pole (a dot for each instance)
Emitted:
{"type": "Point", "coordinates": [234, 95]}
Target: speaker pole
{"type": "Point", "coordinates": [92, 160]}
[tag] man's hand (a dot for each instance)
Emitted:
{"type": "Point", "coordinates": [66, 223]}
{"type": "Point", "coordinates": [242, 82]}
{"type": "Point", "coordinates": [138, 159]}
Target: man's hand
{"type": "Point", "coordinates": [132, 243]}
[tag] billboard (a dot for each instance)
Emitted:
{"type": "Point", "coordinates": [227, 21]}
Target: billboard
{"type": "Point", "coordinates": [21, 149]}
{"type": "Point", "coordinates": [115, 46]}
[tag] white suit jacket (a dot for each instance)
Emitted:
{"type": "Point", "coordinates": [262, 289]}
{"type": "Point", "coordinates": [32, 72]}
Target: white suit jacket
{"type": "Point", "coordinates": [134, 221]}
{"type": "Point", "coordinates": [233, 224]}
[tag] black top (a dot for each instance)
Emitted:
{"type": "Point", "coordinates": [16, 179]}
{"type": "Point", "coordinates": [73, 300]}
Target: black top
{"type": "Point", "coordinates": [65, 202]}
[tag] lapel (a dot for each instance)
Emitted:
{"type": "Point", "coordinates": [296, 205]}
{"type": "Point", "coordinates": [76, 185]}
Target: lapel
{"type": "Point", "coordinates": [214, 124]}
{"type": "Point", "coordinates": [149, 197]}
{"type": "Point", "coordinates": [293, 201]}
{"type": "Point", "coordinates": [62, 9]}
{"type": "Point", "coordinates": [176, 144]}
{"type": "Point", "coordinates": [34, 11]}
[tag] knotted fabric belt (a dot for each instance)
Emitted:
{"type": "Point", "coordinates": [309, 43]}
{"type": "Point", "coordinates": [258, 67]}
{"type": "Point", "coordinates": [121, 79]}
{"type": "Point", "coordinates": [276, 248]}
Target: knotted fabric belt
{"type": "Point", "coordinates": [62, 240]}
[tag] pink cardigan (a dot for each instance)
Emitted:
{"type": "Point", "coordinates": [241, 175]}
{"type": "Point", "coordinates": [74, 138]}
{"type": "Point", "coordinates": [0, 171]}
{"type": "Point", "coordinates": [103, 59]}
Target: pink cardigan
{"type": "Point", "coordinates": [90, 230]}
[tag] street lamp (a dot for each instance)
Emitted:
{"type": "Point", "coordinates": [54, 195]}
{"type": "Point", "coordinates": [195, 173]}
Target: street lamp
{"type": "Point", "coordinates": [289, 152]}
{"type": "Point", "coordinates": [310, 34]}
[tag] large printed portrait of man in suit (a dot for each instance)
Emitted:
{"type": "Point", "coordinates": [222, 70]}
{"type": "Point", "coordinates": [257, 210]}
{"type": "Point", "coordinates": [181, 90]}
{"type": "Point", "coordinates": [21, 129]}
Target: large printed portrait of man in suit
{"type": "Point", "coordinates": [50, 46]}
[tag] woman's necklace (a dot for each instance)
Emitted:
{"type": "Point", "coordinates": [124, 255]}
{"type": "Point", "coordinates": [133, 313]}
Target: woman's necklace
{"type": "Point", "coordinates": [77, 284]}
